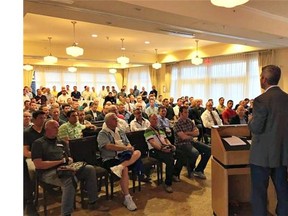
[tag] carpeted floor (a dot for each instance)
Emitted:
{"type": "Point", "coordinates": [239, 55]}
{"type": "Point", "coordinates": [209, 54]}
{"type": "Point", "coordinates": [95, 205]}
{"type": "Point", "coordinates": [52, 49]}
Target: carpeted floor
{"type": "Point", "coordinates": [190, 197]}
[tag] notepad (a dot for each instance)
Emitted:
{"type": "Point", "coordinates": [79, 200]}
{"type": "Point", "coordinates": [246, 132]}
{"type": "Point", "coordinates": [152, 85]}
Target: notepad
{"type": "Point", "coordinates": [234, 141]}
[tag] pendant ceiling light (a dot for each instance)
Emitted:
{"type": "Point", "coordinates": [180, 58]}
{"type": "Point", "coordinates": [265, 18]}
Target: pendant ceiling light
{"type": "Point", "coordinates": [228, 3]}
{"type": "Point", "coordinates": [156, 65]}
{"type": "Point", "coordinates": [50, 59]}
{"type": "Point", "coordinates": [72, 69]}
{"type": "Point", "coordinates": [74, 50]}
{"type": "Point", "coordinates": [196, 60]}
{"type": "Point", "coordinates": [112, 70]}
{"type": "Point", "coordinates": [28, 67]}
{"type": "Point", "coordinates": [123, 60]}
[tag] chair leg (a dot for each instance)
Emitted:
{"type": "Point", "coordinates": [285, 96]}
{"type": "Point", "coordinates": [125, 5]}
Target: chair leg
{"type": "Point", "coordinates": [139, 183]}
{"type": "Point", "coordinates": [36, 196]}
{"type": "Point", "coordinates": [133, 180]}
{"type": "Point", "coordinates": [111, 185]}
{"type": "Point", "coordinates": [159, 173]}
{"type": "Point", "coordinates": [106, 186]}
{"type": "Point", "coordinates": [45, 199]}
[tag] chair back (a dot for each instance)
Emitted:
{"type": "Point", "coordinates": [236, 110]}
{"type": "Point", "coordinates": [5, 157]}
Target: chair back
{"type": "Point", "coordinates": [98, 124]}
{"type": "Point", "coordinates": [84, 149]}
{"type": "Point", "coordinates": [138, 140]}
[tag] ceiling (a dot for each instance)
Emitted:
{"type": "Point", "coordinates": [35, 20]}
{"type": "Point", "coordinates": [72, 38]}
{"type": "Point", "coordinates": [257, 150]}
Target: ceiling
{"type": "Point", "coordinates": [258, 23]}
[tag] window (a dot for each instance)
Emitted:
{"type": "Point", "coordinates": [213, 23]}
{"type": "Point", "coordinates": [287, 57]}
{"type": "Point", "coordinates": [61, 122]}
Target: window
{"type": "Point", "coordinates": [233, 77]}
{"type": "Point", "coordinates": [139, 76]}
{"type": "Point", "coordinates": [48, 78]}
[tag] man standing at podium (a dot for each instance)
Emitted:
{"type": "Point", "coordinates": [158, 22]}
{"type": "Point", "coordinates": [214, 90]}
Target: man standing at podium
{"type": "Point", "coordinates": [269, 149]}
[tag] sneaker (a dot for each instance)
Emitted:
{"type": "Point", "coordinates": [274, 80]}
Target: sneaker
{"type": "Point", "coordinates": [168, 188]}
{"type": "Point", "coordinates": [176, 178]}
{"type": "Point", "coordinates": [117, 170]}
{"type": "Point", "coordinates": [96, 206]}
{"type": "Point", "coordinates": [199, 175]}
{"type": "Point", "coordinates": [129, 203]}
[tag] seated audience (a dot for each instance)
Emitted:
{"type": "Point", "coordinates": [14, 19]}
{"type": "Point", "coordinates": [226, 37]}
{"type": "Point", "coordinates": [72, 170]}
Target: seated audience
{"type": "Point", "coordinates": [210, 117]}
{"type": "Point", "coordinates": [55, 115]}
{"type": "Point", "coordinates": [110, 98]}
{"type": "Point", "coordinates": [48, 154]}
{"type": "Point", "coordinates": [138, 106]}
{"type": "Point", "coordinates": [170, 112]}
{"type": "Point", "coordinates": [30, 135]}
{"type": "Point", "coordinates": [93, 111]}
{"type": "Point", "coordinates": [75, 94]}
{"type": "Point", "coordinates": [26, 105]}
{"type": "Point", "coordinates": [221, 107]}
{"type": "Point", "coordinates": [65, 109]}
{"type": "Point", "coordinates": [177, 106]}
{"type": "Point", "coordinates": [111, 141]}
{"type": "Point", "coordinates": [152, 108]}
{"type": "Point", "coordinates": [195, 112]}
{"type": "Point", "coordinates": [123, 112]}
{"type": "Point", "coordinates": [121, 123]}
{"type": "Point", "coordinates": [33, 106]}
{"type": "Point", "coordinates": [228, 113]}
{"type": "Point", "coordinates": [101, 116]}
{"type": "Point", "coordinates": [27, 120]}
{"type": "Point", "coordinates": [185, 131]}
{"type": "Point", "coordinates": [241, 117]}
{"type": "Point", "coordinates": [163, 122]}
{"type": "Point", "coordinates": [63, 98]}
{"type": "Point", "coordinates": [139, 123]}
{"type": "Point", "coordinates": [161, 149]}
{"type": "Point", "coordinates": [72, 129]}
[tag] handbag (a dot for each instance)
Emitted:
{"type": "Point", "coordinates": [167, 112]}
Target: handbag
{"type": "Point", "coordinates": [71, 169]}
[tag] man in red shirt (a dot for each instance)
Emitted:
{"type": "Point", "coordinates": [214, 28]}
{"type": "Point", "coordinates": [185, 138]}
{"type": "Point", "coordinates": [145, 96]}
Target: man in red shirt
{"type": "Point", "coordinates": [228, 113]}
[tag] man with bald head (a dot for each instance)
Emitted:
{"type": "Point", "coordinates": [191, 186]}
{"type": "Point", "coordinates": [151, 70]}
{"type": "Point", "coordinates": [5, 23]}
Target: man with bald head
{"type": "Point", "coordinates": [269, 149]}
{"type": "Point", "coordinates": [241, 117]}
{"type": "Point", "coordinates": [111, 141]}
{"type": "Point", "coordinates": [49, 153]}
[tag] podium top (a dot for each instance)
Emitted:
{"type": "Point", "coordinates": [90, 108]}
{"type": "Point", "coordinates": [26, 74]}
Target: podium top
{"type": "Point", "coordinates": [229, 154]}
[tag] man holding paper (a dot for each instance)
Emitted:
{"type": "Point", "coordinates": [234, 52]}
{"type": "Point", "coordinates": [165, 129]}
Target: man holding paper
{"type": "Point", "coordinates": [269, 149]}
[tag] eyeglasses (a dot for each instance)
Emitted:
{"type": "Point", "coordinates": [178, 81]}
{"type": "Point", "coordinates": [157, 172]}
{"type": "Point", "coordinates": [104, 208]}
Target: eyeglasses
{"type": "Point", "coordinates": [27, 116]}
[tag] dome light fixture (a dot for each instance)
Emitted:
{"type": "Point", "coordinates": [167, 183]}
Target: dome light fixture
{"type": "Point", "coordinates": [74, 50]}
{"type": "Point", "coordinates": [72, 69]}
{"type": "Point", "coordinates": [28, 67]}
{"type": "Point", "coordinates": [196, 60]}
{"type": "Point", "coordinates": [228, 3]}
{"type": "Point", "coordinates": [123, 60]}
{"type": "Point", "coordinates": [112, 70]}
{"type": "Point", "coordinates": [50, 59]}
{"type": "Point", "coordinates": [156, 65]}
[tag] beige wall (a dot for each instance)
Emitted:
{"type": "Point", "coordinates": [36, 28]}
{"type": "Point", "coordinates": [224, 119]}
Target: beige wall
{"type": "Point", "coordinates": [281, 59]}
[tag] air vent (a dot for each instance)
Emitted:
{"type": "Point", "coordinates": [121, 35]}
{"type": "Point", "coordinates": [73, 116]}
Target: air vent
{"type": "Point", "coordinates": [178, 33]}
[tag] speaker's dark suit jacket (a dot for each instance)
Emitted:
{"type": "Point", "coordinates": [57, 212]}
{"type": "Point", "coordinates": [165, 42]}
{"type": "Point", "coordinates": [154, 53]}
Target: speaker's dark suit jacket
{"type": "Point", "coordinates": [269, 128]}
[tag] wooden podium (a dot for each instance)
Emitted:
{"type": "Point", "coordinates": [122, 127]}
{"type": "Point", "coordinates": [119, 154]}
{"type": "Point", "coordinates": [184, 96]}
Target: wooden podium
{"type": "Point", "coordinates": [230, 170]}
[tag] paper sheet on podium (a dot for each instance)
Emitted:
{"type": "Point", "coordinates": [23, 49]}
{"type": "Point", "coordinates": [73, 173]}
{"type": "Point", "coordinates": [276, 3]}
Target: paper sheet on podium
{"type": "Point", "coordinates": [234, 141]}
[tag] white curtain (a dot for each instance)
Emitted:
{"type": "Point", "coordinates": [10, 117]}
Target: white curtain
{"type": "Point", "coordinates": [45, 76]}
{"type": "Point", "coordinates": [232, 77]}
{"type": "Point", "coordinates": [139, 76]}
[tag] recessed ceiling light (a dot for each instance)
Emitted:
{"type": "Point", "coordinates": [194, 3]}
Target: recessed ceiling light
{"type": "Point", "coordinates": [147, 42]}
{"type": "Point", "coordinates": [94, 35]}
